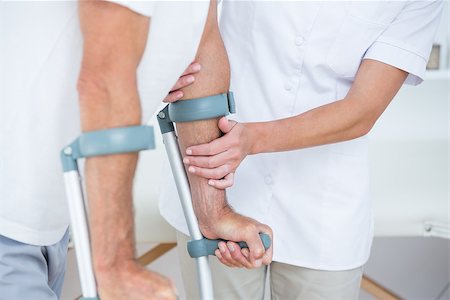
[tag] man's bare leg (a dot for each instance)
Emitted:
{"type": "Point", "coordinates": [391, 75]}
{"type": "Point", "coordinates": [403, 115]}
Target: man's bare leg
{"type": "Point", "coordinates": [216, 218]}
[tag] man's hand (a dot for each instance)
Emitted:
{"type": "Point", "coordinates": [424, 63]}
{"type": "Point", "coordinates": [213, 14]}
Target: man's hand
{"type": "Point", "coordinates": [130, 280]}
{"type": "Point", "coordinates": [235, 227]}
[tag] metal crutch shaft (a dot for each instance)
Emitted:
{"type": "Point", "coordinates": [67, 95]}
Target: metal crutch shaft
{"type": "Point", "coordinates": [187, 111]}
{"type": "Point", "coordinates": [181, 180]}
{"type": "Point", "coordinates": [80, 234]}
{"type": "Point", "coordinates": [97, 143]}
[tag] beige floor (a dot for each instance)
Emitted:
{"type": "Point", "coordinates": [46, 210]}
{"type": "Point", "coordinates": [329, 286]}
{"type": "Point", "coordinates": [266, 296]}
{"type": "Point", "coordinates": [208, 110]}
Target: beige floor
{"type": "Point", "coordinates": [166, 265]}
{"type": "Point", "coordinates": [414, 268]}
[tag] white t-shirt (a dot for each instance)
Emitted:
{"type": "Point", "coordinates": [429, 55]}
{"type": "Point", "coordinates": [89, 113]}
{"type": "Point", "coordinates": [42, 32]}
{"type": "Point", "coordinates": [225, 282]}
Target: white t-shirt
{"type": "Point", "coordinates": [287, 58]}
{"type": "Point", "coordinates": [40, 54]}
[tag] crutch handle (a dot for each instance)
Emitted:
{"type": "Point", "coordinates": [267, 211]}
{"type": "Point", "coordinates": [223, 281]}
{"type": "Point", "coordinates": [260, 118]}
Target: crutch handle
{"type": "Point", "coordinates": [205, 247]}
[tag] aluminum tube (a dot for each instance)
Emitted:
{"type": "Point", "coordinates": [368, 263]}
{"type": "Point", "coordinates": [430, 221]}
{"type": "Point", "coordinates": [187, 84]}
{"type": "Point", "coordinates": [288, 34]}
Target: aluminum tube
{"type": "Point", "coordinates": [182, 183]}
{"type": "Point", "coordinates": [80, 233]}
{"type": "Point", "coordinates": [204, 278]}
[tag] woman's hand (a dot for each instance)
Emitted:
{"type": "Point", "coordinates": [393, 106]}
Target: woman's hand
{"type": "Point", "coordinates": [219, 159]}
{"type": "Point", "coordinates": [187, 78]}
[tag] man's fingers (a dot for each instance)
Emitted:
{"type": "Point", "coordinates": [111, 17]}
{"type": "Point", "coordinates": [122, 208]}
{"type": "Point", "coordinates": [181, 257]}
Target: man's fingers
{"type": "Point", "coordinates": [216, 173]}
{"type": "Point", "coordinates": [221, 259]}
{"type": "Point", "coordinates": [245, 252]}
{"type": "Point", "coordinates": [254, 243]}
{"type": "Point", "coordinates": [226, 256]}
{"type": "Point", "coordinates": [224, 183]}
{"type": "Point", "coordinates": [237, 255]}
{"type": "Point", "coordinates": [268, 254]}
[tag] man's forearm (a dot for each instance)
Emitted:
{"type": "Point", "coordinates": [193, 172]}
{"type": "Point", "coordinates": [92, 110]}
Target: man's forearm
{"type": "Point", "coordinates": [209, 203]}
{"type": "Point", "coordinates": [109, 184]}
{"type": "Point", "coordinates": [114, 40]}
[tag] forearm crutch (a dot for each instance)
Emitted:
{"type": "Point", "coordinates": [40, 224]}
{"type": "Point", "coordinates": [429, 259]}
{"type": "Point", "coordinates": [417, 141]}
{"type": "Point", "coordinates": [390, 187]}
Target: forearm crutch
{"type": "Point", "coordinates": [187, 111]}
{"type": "Point", "coordinates": [90, 144]}
{"type": "Point", "coordinates": [135, 139]}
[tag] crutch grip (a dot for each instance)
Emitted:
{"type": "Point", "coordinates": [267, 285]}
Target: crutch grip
{"type": "Point", "coordinates": [205, 247]}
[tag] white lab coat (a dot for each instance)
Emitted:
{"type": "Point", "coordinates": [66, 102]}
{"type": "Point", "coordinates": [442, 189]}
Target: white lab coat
{"type": "Point", "coordinates": [287, 58]}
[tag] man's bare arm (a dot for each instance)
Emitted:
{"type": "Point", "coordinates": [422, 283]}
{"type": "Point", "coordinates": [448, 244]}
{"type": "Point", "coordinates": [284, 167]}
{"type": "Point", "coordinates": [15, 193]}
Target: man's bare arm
{"type": "Point", "coordinates": [114, 41]}
{"type": "Point", "coordinates": [216, 218]}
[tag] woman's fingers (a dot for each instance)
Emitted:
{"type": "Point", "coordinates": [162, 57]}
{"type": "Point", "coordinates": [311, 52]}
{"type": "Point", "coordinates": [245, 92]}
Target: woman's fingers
{"type": "Point", "coordinates": [173, 96]}
{"type": "Point", "coordinates": [224, 183]}
{"type": "Point", "coordinates": [187, 78]}
{"type": "Point", "coordinates": [211, 161]}
{"type": "Point", "coordinates": [212, 148]}
{"type": "Point", "coordinates": [182, 82]}
{"type": "Point", "coordinates": [194, 67]}
{"type": "Point", "coordinates": [216, 173]}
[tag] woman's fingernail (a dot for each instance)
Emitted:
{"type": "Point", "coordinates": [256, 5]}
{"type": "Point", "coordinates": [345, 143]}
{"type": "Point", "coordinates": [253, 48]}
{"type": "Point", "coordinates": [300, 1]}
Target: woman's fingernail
{"type": "Point", "coordinates": [222, 248]}
{"type": "Point", "coordinates": [190, 79]}
{"type": "Point", "coordinates": [230, 247]}
{"type": "Point", "coordinates": [196, 67]}
{"type": "Point", "coordinates": [210, 182]}
{"type": "Point", "coordinates": [188, 151]}
{"type": "Point", "coordinates": [186, 160]}
{"type": "Point", "coordinates": [191, 169]}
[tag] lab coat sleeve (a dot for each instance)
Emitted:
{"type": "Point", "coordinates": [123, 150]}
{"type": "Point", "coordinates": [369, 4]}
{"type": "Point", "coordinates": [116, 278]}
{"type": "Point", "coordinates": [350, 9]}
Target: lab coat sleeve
{"type": "Point", "coordinates": [406, 43]}
{"type": "Point", "coordinates": [145, 8]}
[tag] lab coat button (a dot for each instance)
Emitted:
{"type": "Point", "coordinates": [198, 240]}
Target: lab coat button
{"type": "Point", "coordinates": [288, 85]}
{"type": "Point", "coordinates": [299, 40]}
{"type": "Point", "coordinates": [268, 180]}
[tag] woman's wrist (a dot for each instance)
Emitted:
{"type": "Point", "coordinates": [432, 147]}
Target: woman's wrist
{"type": "Point", "coordinates": [255, 135]}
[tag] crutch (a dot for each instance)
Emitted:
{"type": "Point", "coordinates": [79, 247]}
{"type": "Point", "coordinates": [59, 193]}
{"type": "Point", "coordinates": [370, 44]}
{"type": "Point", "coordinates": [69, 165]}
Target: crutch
{"type": "Point", "coordinates": [96, 143]}
{"type": "Point", "coordinates": [188, 111]}
{"type": "Point", "coordinates": [135, 139]}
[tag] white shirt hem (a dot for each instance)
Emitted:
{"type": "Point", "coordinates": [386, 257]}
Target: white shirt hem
{"type": "Point", "coordinates": [30, 236]}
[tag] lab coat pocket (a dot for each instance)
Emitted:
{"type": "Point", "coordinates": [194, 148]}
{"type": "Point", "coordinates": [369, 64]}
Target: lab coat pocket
{"type": "Point", "coordinates": [351, 43]}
